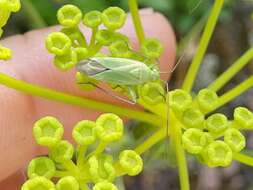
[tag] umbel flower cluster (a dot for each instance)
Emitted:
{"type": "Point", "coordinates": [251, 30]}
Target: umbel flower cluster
{"type": "Point", "coordinates": [184, 117]}
{"type": "Point", "coordinates": [214, 140]}
{"type": "Point", "coordinates": [70, 45]}
{"type": "Point", "coordinates": [6, 7]}
{"type": "Point", "coordinates": [84, 166]}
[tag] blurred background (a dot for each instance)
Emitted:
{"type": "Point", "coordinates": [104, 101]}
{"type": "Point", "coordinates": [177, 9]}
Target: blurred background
{"type": "Point", "coordinates": [232, 37]}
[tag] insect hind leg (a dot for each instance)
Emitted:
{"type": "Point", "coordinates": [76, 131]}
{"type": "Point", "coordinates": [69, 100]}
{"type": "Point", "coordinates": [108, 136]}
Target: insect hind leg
{"type": "Point", "coordinates": [110, 93]}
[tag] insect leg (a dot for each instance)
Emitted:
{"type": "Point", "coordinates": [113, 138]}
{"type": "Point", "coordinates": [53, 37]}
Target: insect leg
{"type": "Point", "coordinates": [110, 93]}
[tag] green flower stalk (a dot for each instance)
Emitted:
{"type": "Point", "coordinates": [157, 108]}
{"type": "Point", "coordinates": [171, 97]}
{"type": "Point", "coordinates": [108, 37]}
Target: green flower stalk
{"type": "Point", "coordinates": [214, 140]}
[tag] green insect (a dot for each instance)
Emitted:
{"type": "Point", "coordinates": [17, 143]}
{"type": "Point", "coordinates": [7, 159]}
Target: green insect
{"type": "Point", "coordinates": [119, 71]}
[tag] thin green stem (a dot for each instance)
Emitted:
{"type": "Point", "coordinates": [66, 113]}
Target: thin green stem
{"type": "Point", "coordinates": [33, 15]}
{"type": "Point", "coordinates": [204, 41]}
{"type": "Point", "coordinates": [133, 6]}
{"type": "Point", "coordinates": [176, 134]}
{"type": "Point", "coordinates": [245, 159]}
{"type": "Point", "coordinates": [233, 93]}
{"type": "Point", "coordinates": [76, 100]}
{"type": "Point", "coordinates": [61, 174]}
{"type": "Point", "coordinates": [93, 37]}
{"type": "Point", "coordinates": [234, 69]}
{"type": "Point", "coordinates": [80, 157]}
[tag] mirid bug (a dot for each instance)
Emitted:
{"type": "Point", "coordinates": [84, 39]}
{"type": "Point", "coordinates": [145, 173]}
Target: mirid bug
{"type": "Point", "coordinates": [119, 71]}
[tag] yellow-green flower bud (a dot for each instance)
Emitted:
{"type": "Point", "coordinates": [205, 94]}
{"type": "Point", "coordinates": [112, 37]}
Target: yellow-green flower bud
{"type": "Point", "coordinates": [81, 53]}
{"type": "Point", "coordinates": [206, 99]}
{"type": "Point", "coordinates": [101, 168]}
{"type": "Point", "coordinates": [235, 139]}
{"type": "Point", "coordinates": [67, 61]}
{"type": "Point", "coordinates": [119, 48]}
{"type": "Point", "coordinates": [152, 93]}
{"type": "Point", "coordinates": [152, 48]}
{"type": "Point", "coordinates": [38, 183]}
{"type": "Point", "coordinates": [109, 127]}
{"type": "Point", "coordinates": [218, 153]}
{"type": "Point", "coordinates": [67, 183]}
{"type": "Point", "coordinates": [69, 16]}
{"type": "Point", "coordinates": [58, 43]}
{"type": "Point", "coordinates": [41, 167]}
{"type": "Point", "coordinates": [92, 19]}
{"type": "Point", "coordinates": [130, 162]}
{"type": "Point", "coordinates": [10, 5]}
{"type": "Point", "coordinates": [179, 100]}
{"type": "Point", "coordinates": [194, 140]}
{"type": "Point", "coordinates": [83, 132]}
{"type": "Point", "coordinates": [62, 151]}
{"type": "Point", "coordinates": [193, 118]}
{"type": "Point", "coordinates": [216, 124]}
{"type": "Point", "coordinates": [4, 16]}
{"type": "Point", "coordinates": [105, 37]}
{"type": "Point", "coordinates": [104, 186]}
{"type": "Point", "coordinates": [85, 82]}
{"type": "Point", "coordinates": [5, 53]}
{"type": "Point", "coordinates": [113, 18]}
{"type": "Point", "coordinates": [243, 118]}
{"type": "Point", "coordinates": [48, 131]}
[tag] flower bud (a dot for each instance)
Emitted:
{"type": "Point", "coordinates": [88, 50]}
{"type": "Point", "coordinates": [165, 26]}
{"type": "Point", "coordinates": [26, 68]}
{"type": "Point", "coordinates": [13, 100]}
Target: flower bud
{"type": "Point", "coordinates": [235, 139]}
{"type": "Point", "coordinates": [48, 131]}
{"type": "Point", "coordinates": [61, 152]}
{"type": "Point", "coordinates": [193, 118]}
{"type": "Point", "coordinates": [41, 167]}
{"type": "Point", "coordinates": [67, 61]}
{"type": "Point", "coordinates": [216, 124]}
{"type": "Point", "coordinates": [85, 82]}
{"type": "Point", "coordinates": [104, 186]}
{"type": "Point", "coordinates": [10, 5]}
{"type": "Point", "coordinates": [243, 118]}
{"type": "Point", "coordinates": [92, 19]}
{"type": "Point", "coordinates": [179, 100]}
{"type": "Point", "coordinates": [5, 53]}
{"type": "Point", "coordinates": [109, 127]}
{"type": "Point", "coordinates": [38, 183]}
{"type": "Point", "coordinates": [83, 132]}
{"type": "Point", "coordinates": [58, 43]}
{"type": "Point", "coordinates": [67, 183]}
{"type": "Point", "coordinates": [105, 37]}
{"type": "Point", "coordinates": [206, 99]}
{"type": "Point", "coordinates": [152, 48]}
{"type": "Point", "coordinates": [69, 16]}
{"type": "Point", "coordinates": [130, 162]}
{"type": "Point", "coordinates": [119, 49]}
{"type": "Point", "coordinates": [113, 18]}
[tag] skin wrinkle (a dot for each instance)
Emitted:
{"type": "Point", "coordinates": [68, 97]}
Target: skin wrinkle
{"type": "Point", "coordinates": [33, 63]}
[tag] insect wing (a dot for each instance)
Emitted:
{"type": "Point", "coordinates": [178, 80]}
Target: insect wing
{"type": "Point", "coordinates": [120, 71]}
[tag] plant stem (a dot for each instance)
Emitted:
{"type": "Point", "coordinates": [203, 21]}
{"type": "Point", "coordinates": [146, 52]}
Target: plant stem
{"type": "Point", "coordinates": [133, 6]}
{"type": "Point", "coordinates": [93, 37]}
{"type": "Point", "coordinates": [234, 69]}
{"type": "Point", "coordinates": [176, 134]}
{"type": "Point", "coordinates": [236, 91]}
{"type": "Point", "coordinates": [32, 14]}
{"type": "Point", "coordinates": [76, 100]}
{"type": "Point", "coordinates": [245, 159]}
{"type": "Point", "coordinates": [80, 156]}
{"type": "Point", "coordinates": [61, 174]}
{"type": "Point", "coordinates": [204, 41]}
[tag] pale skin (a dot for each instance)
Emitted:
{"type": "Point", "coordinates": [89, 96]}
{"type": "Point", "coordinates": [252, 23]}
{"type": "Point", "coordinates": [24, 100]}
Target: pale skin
{"type": "Point", "coordinates": [32, 63]}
